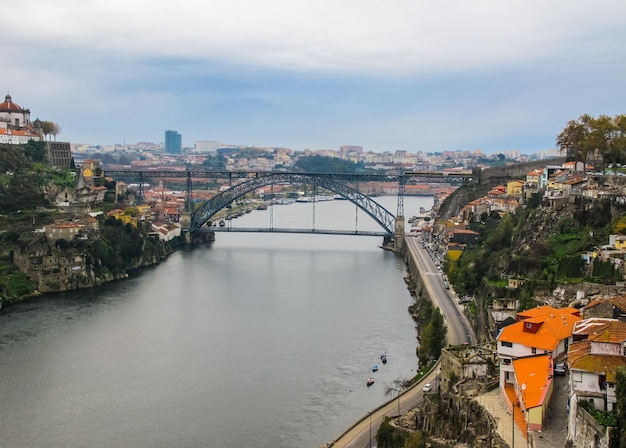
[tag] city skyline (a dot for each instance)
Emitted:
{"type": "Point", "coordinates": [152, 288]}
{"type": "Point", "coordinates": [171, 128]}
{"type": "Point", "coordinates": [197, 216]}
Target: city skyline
{"type": "Point", "coordinates": [396, 75]}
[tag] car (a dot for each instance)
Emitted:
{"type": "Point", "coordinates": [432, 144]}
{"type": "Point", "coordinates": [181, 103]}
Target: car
{"type": "Point", "coordinates": [427, 387]}
{"type": "Point", "coordinates": [559, 369]}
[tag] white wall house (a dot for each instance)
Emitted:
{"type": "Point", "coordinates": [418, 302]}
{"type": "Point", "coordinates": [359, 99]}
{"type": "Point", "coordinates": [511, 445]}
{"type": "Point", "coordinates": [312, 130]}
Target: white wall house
{"type": "Point", "coordinates": [593, 359]}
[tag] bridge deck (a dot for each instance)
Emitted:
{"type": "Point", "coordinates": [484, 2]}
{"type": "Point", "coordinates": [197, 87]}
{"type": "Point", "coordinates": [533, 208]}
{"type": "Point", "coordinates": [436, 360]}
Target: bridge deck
{"type": "Point", "coordinates": [287, 230]}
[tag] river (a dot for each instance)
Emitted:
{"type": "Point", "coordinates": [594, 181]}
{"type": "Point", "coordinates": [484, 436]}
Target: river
{"type": "Point", "coordinates": [258, 340]}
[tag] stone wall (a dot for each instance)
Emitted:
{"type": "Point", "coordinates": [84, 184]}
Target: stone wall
{"type": "Point", "coordinates": [456, 419]}
{"type": "Point", "coordinates": [589, 433]}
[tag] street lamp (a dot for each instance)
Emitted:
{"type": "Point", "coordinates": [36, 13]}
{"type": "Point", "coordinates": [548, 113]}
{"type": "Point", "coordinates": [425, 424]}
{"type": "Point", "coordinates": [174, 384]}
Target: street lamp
{"type": "Point", "coordinates": [370, 413]}
{"type": "Point", "coordinates": [398, 391]}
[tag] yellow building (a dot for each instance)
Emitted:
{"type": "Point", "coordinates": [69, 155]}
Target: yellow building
{"type": "Point", "coordinates": [514, 188]}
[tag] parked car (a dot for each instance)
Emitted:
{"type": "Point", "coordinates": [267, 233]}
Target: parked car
{"type": "Point", "coordinates": [427, 387]}
{"type": "Point", "coordinates": [559, 369]}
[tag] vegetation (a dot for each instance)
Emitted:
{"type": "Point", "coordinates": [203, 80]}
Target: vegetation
{"type": "Point", "coordinates": [50, 129]}
{"type": "Point", "coordinates": [321, 164]}
{"type": "Point", "coordinates": [215, 162]}
{"type": "Point", "coordinates": [433, 332]}
{"type": "Point", "coordinates": [618, 437]}
{"type": "Point", "coordinates": [25, 185]}
{"type": "Point", "coordinates": [512, 246]}
{"type": "Point", "coordinates": [389, 436]}
{"type": "Point", "coordinates": [603, 138]}
{"type": "Point", "coordinates": [605, 418]}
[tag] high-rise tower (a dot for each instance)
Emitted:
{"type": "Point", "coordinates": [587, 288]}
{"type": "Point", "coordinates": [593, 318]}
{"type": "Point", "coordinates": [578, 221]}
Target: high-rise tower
{"type": "Point", "coordinates": [173, 142]}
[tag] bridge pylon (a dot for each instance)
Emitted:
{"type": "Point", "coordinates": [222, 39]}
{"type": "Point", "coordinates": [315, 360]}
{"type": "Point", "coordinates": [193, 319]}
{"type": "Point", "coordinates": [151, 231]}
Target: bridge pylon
{"type": "Point", "coordinates": [399, 233]}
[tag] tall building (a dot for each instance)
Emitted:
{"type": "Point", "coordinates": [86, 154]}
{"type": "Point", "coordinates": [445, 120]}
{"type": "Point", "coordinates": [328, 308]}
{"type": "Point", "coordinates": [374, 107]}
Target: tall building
{"type": "Point", "coordinates": [173, 142]}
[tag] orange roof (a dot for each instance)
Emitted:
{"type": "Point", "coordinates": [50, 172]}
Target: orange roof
{"type": "Point", "coordinates": [536, 373]}
{"type": "Point", "coordinates": [548, 329]}
{"type": "Point", "coordinates": [63, 225]}
{"type": "Point", "coordinates": [18, 132]}
{"type": "Point", "coordinates": [546, 309]}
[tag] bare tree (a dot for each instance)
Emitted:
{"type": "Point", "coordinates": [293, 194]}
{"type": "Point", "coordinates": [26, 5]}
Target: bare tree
{"type": "Point", "coordinates": [397, 386]}
{"type": "Point", "coordinates": [47, 127]}
{"type": "Point", "coordinates": [56, 130]}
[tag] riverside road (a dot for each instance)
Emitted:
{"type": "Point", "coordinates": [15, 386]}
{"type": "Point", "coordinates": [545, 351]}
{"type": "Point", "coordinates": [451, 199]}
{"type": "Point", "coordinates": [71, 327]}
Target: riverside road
{"type": "Point", "coordinates": [363, 433]}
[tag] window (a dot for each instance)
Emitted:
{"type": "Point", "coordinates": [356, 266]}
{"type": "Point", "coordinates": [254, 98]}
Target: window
{"type": "Point", "coordinates": [529, 325]}
{"type": "Point", "coordinates": [506, 362]}
{"type": "Point", "coordinates": [506, 344]}
{"type": "Point", "coordinates": [533, 350]}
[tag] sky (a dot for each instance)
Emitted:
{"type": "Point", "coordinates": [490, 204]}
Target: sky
{"type": "Point", "coordinates": [387, 75]}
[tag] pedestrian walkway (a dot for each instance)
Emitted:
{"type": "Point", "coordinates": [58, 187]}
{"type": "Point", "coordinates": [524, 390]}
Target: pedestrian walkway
{"type": "Point", "coordinates": [508, 429]}
{"type": "Point", "coordinates": [513, 429]}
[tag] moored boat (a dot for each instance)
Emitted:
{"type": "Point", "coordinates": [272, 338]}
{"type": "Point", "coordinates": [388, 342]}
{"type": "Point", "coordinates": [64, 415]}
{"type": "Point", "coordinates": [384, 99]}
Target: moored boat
{"type": "Point", "coordinates": [375, 369]}
{"type": "Point", "coordinates": [370, 381]}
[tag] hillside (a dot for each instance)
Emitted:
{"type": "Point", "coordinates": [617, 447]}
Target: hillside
{"type": "Point", "coordinates": [29, 262]}
{"type": "Point", "coordinates": [540, 246]}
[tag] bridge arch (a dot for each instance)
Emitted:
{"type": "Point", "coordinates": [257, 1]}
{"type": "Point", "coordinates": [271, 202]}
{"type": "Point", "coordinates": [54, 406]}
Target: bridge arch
{"type": "Point", "coordinates": [327, 181]}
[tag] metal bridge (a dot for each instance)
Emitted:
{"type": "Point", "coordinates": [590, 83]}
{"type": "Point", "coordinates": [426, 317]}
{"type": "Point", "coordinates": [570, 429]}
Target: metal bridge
{"type": "Point", "coordinates": [244, 182]}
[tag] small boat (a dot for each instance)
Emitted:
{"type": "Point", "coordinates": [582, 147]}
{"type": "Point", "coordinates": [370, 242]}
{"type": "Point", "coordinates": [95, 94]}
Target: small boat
{"type": "Point", "coordinates": [375, 369]}
{"type": "Point", "coordinates": [383, 358]}
{"type": "Point", "coordinates": [370, 381]}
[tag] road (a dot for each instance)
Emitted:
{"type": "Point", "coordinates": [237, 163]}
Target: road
{"type": "Point", "coordinates": [459, 329]}
{"type": "Point", "coordinates": [363, 433]}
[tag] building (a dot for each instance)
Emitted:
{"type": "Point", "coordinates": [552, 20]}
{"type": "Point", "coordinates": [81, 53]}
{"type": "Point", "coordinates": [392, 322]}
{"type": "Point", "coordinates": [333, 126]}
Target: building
{"type": "Point", "coordinates": [528, 351]}
{"type": "Point", "coordinates": [59, 154]}
{"type": "Point", "coordinates": [173, 142]}
{"type": "Point", "coordinates": [595, 355]}
{"type": "Point", "coordinates": [207, 146]}
{"type": "Point", "coordinates": [13, 116]}
{"type": "Point", "coordinates": [15, 125]}
{"type": "Point", "coordinates": [65, 230]}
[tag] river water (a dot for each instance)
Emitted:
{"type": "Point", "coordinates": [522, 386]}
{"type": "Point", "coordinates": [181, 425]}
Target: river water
{"type": "Point", "coordinates": [258, 340]}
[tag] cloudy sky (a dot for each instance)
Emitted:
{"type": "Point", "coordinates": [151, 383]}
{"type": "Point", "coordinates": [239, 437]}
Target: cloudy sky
{"type": "Point", "coordinates": [384, 74]}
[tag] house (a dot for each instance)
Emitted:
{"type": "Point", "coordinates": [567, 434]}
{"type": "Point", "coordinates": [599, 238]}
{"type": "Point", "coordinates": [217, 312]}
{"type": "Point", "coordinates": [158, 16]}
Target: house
{"type": "Point", "coordinates": [514, 188]}
{"type": "Point", "coordinates": [64, 230]}
{"type": "Point", "coordinates": [611, 308]}
{"type": "Point", "coordinates": [467, 368]}
{"type": "Point", "coordinates": [534, 386]}
{"type": "Point", "coordinates": [543, 334]}
{"type": "Point", "coordinates": [593, 360]}
{"type": "Point", "coordinates": [533, 179]}
{"type": "Point", "coordinates": [166, 230]}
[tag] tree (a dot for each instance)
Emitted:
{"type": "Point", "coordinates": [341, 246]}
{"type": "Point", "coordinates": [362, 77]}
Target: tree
{"type": "Point", "coordinates": [620, 395]}
{"type": "Point", "coordinates": [47, 128]}
{"type": "Point", "coordinates": [56, 130]}
{"type": "Point", "coordinates": [605, 135]}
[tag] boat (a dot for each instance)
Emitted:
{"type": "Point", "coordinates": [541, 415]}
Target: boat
{"type": "Point", "coordinates": [383, 358]}
{"type": "Point", "coordinates": [370, 381]}
{"type": "Point", "coordinates": [375, 369]}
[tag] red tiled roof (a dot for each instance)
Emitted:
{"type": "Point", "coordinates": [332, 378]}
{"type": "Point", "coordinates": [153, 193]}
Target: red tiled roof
{"type": "Point", "coordinates": [9, 106]}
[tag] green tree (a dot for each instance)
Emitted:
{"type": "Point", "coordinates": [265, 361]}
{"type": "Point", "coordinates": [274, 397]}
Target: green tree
{"type": "Point", "coordinates": [586, 135]}
{"type": "Point", "coordinates": [388, 436]}
{"type": "Point", "coordinates": [620, 395]}
{"type": "Point", "coordinates": [47, 128]}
